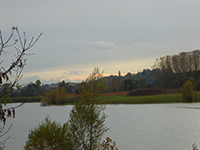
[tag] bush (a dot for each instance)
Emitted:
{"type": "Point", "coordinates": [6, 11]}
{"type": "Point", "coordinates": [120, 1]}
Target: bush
{"type": "Point", "coordinates": [48, 135]}
{"type": "Point", "coordinates": [109, 144]}
{"type": "Point", "coordinates": [58, 96]}
{"type": "Point", "coordinates": [151, 91]}
{"type": "Point", "coordinates": [188, 91]}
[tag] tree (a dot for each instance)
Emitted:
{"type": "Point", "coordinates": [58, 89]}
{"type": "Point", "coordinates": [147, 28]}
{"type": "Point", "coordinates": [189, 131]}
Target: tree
{"type": "Point", "coordinates": [87, 117]}
{"type": "Point", "coordinates": [142, 82]}
{"type": "Point", "coordinates": [67, 86]}
{"type": "Point", "coordinates": [49, 97]}
{"type": "Point", "coordinates": [12, 73]}
{"type": "Point", "coordinates": [61, 95]}
{"type": "Point", "coordinates": [31, 89]}
{"type": "Point", "coordinates": [188, 91]}
{"type": "Point", "coordinates": [128, 84]}
{"type": "Point", "coordinates": [58, 96]}
{"type": "Point", "coordinates": [174, 70]}
{"type": "Point", "coordinates": [5, 88]}
{"type": "Point", "coordinates": [38, 86]}
{"type": "Point", "coordinates": [49, 136]}
{"type": "Point", "coordinates": [114, 84]}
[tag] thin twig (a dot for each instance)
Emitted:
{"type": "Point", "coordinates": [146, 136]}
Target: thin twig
{"type": "Point", "coordinates": [6, 131]}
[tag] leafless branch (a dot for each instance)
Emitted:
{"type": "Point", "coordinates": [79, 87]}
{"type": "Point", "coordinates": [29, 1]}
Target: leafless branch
{"type": "Point", "coordinates": [6, 131]}
{"type": "Point", "coordinates": [20, 52]}
{"type": "Point", "coordinates": [17, 66]}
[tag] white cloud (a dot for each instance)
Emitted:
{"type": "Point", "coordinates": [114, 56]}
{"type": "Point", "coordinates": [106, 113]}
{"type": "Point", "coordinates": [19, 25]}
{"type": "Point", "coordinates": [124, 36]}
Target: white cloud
{"type": "Point", "coordinates": [76, 72]}
{"type": "Point", "coordinates": [102, 45]}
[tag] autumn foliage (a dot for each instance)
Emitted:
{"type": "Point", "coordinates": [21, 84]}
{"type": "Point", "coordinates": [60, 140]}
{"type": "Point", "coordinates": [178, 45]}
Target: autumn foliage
{"type": "Point", "coordinates": [48, 135]}
{"type": "Point", "coordinates": [108, 144]}
{"type": "Point", "coordinates": [58, 96]}
{"type": "Point", "coordinates": [151, 91]}
{"type": "Point", "coordinates": [188, 91]}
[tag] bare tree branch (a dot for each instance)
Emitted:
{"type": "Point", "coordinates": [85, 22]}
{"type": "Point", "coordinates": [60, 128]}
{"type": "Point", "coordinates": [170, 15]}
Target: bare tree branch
{"type": "Point", "coordinates": [16, 67]}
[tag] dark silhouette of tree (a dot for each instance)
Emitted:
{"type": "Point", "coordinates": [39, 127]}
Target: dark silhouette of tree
{"type": "Point", "coordinates": [174, 70]}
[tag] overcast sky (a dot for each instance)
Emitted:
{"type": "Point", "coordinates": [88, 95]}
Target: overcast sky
{"type": "Point", "coordinates": [113, 35]}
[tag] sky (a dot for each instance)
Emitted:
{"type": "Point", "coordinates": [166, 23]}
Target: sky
{"type": "Point", "coordinates": [113, 35]}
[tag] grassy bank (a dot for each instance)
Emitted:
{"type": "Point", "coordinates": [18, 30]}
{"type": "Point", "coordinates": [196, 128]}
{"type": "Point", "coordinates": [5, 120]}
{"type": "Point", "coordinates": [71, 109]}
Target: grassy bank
{"type": "Point", "coordinates": [26, 99]}
{"type": "Point", "coordinates": [162, 98]}
{"type": "Point", "coordinates": [122, 98]}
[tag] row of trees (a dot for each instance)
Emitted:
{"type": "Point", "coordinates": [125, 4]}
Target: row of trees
{"type": "Point", "coordinates": [34, 89]}
{"type": "Point", "coordinates": [135, 83]}
{"type": "Point", "coordinates": [174, 70]}
{"type": "Point", "coordinates": [68, 88]}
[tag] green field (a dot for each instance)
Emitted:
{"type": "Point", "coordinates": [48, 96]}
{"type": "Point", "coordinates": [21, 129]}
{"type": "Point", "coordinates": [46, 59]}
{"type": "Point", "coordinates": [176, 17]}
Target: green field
{"type": "Point", "coordinates": [163, 98]}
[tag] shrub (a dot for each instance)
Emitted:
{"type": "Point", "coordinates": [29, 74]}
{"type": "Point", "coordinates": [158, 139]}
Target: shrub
{"type": "Point", "coordinates": [109, 144]}
{"type": "Point", "coordinates": [188, 91]}
{"type": "Point", "coordinates": [48, 135]}
{"type": "Point", "coordinates": [194, 147]}
{"type": "Point", "coordinates": [151, 91]}
{"type": "Point", "coordinates": [58, 96]}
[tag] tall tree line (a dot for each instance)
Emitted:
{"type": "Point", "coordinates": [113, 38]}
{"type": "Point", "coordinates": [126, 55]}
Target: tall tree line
{"type": "Point", "coordinates": [174, 70]}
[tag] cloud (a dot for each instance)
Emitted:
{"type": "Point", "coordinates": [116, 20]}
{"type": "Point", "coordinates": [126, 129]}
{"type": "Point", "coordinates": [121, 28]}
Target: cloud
{"type": "Point", "coordinates": [27, 80]}
{"type": "Point", "coordinates": [114, 33]}
{"type": "Point", "coordinates": [101, 45]}
{"type": "Point", "coordinates": [147, 49]}
{"type": "Point", "coordinates": [76, 72]}
{"type": "Point", "coordinates": [49, 81]}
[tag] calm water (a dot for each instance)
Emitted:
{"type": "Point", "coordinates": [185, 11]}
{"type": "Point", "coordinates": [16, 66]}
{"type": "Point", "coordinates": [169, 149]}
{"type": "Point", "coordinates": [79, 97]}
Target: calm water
{"type": "Point", "coordinates": [133, 127]}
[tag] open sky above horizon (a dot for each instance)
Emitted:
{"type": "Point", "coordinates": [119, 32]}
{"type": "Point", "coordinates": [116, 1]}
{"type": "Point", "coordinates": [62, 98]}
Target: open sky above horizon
{"type": "Point", "coordinates": [112, 35]}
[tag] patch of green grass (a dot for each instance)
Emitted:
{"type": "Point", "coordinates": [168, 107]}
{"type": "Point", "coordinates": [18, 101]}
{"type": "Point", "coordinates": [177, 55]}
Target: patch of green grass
{"type": "Point", "coordinates": [163, 98]}
{"type": "Point", "coordinates": [26, 99]}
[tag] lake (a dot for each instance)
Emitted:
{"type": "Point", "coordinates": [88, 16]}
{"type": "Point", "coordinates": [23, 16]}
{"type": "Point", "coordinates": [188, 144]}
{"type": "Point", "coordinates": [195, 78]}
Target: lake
{"type": "Point", "coordinates": [133, 127]}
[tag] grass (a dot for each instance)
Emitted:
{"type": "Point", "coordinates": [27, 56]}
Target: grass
{"type": "Point", "coordinates": [27, 99]}
{"type": "Point", "coordinates": [162, 98]}
{"type": "Point", "coordinates": [122, 98]}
